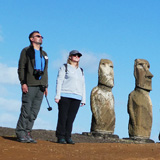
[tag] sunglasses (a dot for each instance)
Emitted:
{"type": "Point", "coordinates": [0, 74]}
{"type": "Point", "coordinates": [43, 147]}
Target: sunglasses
{"type": "Point", "coordinates": [38, 36]}
{"type": "Point", "coordinates": [76, 55]}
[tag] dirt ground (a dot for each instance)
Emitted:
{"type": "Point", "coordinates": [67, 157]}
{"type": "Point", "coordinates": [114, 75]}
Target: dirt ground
{"type": "Point", "coordinates": [47, 149]}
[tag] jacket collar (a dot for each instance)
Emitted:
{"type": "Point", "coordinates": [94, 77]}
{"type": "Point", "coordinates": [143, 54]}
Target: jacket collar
{"type": "Point", "coordinates": [31, 46]}
{"type": "Point", "coordinates": [31, 54]}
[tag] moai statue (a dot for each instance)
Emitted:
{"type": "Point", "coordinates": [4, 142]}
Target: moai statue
{"type": "Point", "coordinates": [102, 100]}
{"type": "Point", "coordinates": [139, 102]}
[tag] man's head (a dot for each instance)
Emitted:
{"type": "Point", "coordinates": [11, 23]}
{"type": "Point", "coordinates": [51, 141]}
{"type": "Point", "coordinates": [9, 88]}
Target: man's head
{"type": "Point", "coordinates": [35, 37]}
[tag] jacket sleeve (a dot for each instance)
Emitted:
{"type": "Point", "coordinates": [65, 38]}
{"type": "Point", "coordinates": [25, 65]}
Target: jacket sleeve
{"type": "Point", "coordinates": [59, 82]}
{"type": "Point", "coordinates": [83, 91]}
{"type": "Point", "coordinates": [22, 67]}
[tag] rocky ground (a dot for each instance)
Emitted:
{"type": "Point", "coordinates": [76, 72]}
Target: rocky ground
{"type": "Point", "coordinates": [87, 147]}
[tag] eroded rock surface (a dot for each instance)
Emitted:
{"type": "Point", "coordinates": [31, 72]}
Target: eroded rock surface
{"type": "Point", "coordinates": [139, 102]}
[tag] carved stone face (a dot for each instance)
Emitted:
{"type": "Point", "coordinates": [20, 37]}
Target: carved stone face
{"type": "Point", "coordinates": [105, 73]}
{"type": "Point", "coordinates": [142, 74]}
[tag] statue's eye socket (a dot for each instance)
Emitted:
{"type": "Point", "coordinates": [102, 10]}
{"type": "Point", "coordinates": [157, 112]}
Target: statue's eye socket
{"type": "Point", "coordinates": [141, 64]}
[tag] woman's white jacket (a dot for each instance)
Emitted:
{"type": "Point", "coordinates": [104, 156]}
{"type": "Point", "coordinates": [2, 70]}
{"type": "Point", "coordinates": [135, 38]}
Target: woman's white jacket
{"type": "Point", "coordinates": [71, 80]}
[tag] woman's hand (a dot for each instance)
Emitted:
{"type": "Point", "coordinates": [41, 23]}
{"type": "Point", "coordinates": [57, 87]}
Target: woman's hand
{"type": "Point", "coordinates": [57, 100]}
{"type": "Point", "coordinates": [82, 104]}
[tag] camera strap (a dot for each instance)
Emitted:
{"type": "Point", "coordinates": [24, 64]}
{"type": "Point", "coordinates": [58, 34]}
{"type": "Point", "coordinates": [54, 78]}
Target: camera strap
{"type": "Point", "coordinates": [49, 107]}
{"type": "Point", "coordinates": [39, 61]}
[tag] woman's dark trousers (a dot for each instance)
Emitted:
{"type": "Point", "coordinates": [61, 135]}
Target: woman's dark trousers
{"type": "Point", "coordinates": [68, 109]}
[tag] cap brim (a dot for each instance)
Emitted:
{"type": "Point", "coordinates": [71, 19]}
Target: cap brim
{"type": "Point", "coordinates": [79, 54]}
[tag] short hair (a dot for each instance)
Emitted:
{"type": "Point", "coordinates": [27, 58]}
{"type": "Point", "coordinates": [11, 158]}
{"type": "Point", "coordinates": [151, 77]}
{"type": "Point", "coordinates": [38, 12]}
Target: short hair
{"type": "Point", "coordinates": [31, 34]}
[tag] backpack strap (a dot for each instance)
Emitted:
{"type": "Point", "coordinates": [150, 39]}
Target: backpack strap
{"type": "Point", "coordinates": [66, 68]}
{"type": "Point", "coordinates": [82, 70]}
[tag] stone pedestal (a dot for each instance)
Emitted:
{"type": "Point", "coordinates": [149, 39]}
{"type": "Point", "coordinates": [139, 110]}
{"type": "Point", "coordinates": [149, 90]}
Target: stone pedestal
{"type": "Point", "coordinates": [139, 140]}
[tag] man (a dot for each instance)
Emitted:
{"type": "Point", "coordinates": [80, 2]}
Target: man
{"type": "Point", "coordinates": [33, 76]}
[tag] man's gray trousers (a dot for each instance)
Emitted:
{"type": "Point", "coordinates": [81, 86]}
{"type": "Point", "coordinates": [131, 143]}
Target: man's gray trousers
{"type": "Point", "coordinates": [31, 102]}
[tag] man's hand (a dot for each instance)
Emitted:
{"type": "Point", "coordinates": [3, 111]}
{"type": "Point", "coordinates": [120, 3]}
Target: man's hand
{"type": "Point", "coordinates": [46, 92]}
{"type": "Point", "coordinates": [24, 88]}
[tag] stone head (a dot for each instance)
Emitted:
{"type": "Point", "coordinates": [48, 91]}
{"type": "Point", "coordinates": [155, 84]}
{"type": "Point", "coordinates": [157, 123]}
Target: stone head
{"type": "Point", "coordinates": [142, 74]}
{"type": "Point", "coordinates": [105, 73]}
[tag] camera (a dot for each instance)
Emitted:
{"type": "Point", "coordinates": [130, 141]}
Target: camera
{"type": "Point", "coordinates": [37, 73]}
{"type": "Point", "coordinates": [42, 88]}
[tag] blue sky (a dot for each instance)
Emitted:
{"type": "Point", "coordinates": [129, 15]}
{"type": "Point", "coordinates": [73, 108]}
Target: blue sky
{"type": "Point", "coordinates": [119, 30]}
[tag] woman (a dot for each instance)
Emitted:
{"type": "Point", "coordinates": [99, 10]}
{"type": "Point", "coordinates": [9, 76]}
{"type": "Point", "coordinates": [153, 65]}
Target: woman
{"type": "Point", "coordinates": [70, 92]}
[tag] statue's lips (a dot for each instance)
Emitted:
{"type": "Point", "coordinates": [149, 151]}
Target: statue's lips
{"type": "Point", "coordinates": [148, 79]}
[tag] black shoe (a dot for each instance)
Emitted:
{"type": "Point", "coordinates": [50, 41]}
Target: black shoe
{"type": "Point", "coordinates": [61, 141]}
{"type": "Point", "coordinates": [23, 139]}
{"type": "Point", "coordinates": [69, 141]}
{"type": "Point", "coordinates": [30, 138]}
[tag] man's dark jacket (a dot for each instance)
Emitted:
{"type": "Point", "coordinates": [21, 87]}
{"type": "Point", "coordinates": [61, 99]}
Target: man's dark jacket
{"type": "Point", "coordinates": [26, 67]}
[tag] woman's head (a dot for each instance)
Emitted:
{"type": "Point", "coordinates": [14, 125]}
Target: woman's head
{"type": "Point", "coordinates": [74, 57]}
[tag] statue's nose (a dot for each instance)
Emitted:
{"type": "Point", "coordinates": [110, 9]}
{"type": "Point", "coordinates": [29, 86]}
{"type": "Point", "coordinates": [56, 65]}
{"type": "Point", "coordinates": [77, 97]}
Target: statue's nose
{"type": "Point", "coordinates": [149, 74]}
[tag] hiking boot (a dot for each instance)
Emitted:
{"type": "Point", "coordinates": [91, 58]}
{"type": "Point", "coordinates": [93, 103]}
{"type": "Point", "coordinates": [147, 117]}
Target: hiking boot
{"type": "Point", "coordinates": [69, 141]}
{"type": "Point", "coordinates": [61, 141]}
{"type": "Point", "coordinates": [23, 139]}
{"type": "Point", "coordinates": [30, 138]}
